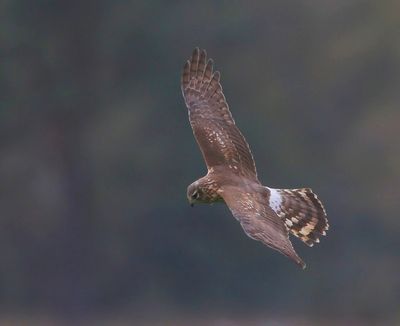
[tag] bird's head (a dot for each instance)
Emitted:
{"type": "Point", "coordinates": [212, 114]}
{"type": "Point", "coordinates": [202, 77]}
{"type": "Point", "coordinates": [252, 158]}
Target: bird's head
{"type": "Point", "coordinates": [194, 194]}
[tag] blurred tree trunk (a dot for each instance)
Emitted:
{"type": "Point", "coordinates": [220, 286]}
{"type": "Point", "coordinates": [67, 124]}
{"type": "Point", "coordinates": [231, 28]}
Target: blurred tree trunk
{"type": "Point", "coordinates": [78, 27]}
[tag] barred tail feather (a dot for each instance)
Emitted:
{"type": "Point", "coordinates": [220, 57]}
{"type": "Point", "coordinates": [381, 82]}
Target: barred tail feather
{"type": "Point", "coordinates": [302, 212]}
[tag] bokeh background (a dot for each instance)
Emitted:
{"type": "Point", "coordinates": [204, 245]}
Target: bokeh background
{"type": "Point", "coordinates": [96, 153]}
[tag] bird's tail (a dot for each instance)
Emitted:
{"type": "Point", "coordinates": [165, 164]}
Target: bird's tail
{"type": "Point", "coordinates": [302, 212]}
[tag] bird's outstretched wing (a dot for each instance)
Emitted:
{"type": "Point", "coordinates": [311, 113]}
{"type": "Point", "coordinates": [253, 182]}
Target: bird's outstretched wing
{"type": "Point", "coordinates": [220, 141]}
{"type": "Point", "coordinates": [258, 220]}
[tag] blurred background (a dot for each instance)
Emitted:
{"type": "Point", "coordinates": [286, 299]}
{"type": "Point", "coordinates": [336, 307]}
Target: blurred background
{"type": "Point", "coordinates": [96, 153]}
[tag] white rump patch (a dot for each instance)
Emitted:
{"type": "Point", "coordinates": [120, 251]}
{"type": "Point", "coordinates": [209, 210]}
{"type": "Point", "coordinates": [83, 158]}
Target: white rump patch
{"type": "Point", "coordinates": [275, 200]}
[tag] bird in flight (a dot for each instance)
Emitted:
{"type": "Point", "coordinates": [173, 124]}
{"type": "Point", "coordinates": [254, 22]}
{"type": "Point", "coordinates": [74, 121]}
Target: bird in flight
{"type": "Point", "coordinates": [266, 214]}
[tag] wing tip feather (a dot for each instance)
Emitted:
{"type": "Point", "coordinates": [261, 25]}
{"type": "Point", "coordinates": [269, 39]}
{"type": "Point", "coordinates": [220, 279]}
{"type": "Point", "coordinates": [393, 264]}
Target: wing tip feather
{"type": "Point", "coordinates": [198, 75]}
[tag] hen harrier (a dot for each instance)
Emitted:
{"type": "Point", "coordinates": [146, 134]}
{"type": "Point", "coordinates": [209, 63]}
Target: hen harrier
{"type": "Point", "coordinates": [266, 214]}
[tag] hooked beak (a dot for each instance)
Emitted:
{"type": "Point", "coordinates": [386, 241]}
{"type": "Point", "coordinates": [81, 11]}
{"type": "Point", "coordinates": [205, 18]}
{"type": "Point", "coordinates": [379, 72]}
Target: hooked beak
{"type": "Point", "coordinates": [191, 204]}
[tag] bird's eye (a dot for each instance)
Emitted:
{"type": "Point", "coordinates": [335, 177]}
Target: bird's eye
{"type": "Point", "coordinates": [195, 195]}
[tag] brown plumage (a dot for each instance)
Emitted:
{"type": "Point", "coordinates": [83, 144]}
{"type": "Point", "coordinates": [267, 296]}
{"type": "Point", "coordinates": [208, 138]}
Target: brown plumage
{"type": "Point", "coordinates": [266, 214]}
